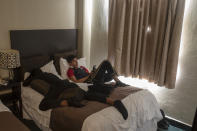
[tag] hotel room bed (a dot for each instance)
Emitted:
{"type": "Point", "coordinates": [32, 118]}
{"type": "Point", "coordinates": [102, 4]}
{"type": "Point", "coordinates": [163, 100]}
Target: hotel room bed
{"type": "Point", "coordinates": [8, 122]}
{"type": "Point", "coordinates": [143, 109]}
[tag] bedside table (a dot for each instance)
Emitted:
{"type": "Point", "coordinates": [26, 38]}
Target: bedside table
{"type": "Point", "coordinates": [10, 95]}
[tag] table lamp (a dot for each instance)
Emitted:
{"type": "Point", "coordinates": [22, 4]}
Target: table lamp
{"type": "Point", "coordinates": [9, 60]}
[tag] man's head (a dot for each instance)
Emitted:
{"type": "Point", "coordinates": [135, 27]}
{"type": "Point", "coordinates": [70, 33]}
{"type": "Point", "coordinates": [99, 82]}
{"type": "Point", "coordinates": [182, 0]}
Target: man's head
{"type": "Point", "coordinates": [72, 60]}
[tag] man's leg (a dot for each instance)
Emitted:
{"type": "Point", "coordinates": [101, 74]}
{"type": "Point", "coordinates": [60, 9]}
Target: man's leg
{"type": "Point", "coordinates": [105, 73]}
{"type": "Point", "coordinates": [105, 70]}
{"type": "Point", "coordinates": [95, 96]}
{"type": "Point", "coordinates": [50, 99]}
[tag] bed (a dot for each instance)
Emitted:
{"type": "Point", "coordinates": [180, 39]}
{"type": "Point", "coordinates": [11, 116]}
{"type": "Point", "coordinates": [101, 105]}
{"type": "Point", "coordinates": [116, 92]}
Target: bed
{"type": "Point", "coordinates": [106, 119]}
{"type": "Point", "coordinates": [8, 121]}
{"type": "Point", "coordinates": [142, 106]}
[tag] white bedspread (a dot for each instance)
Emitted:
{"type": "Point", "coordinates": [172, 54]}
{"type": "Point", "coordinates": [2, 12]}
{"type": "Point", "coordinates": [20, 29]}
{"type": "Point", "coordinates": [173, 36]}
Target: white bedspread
{"type": "Point", "coordinates": [31, 100]}
{"type": "Point", "coordinates": [142, 106]}
{"type": "Point", "coordinates": [3, 107]}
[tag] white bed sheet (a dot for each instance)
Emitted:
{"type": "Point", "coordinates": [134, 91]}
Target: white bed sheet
{"type": "Point", "coordinates": [31, 100]}
{"type": "Point", "coordinates": [141, 106]}
{"type": "Point", "coordinates": [143, 113]}
{"type": "Point", "coordinates": [3, 107]}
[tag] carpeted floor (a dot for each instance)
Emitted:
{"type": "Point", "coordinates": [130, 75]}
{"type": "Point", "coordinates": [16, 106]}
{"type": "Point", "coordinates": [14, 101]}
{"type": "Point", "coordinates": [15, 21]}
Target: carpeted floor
{"type": "Point", "coordinates": [172, 128]}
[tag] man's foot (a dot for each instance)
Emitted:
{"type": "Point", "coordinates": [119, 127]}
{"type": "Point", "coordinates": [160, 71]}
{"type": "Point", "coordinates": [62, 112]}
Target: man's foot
{"type": "Point", "coordinates": [64, 103]}
{"type": "Point", "coordinates": [164, 121]}
{"type": "Point", "coordinates": [120, 84]}
{"type": "Point", "coordinates": [121, 108]}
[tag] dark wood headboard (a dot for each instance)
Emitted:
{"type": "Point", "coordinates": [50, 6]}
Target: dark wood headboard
{"type": "Point", "coordinates": [37, 46]}
{"type": "Point", "coordinates": [43, 42]}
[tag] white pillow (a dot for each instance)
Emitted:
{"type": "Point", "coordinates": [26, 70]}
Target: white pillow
{"type": "Point", "coordinates": [64, 66]}
{"type": "Point", "coordinates": [26, 75]}
{"type": "Point", "coordinates": [82, 62]}
{"type": "Point", "coordinates": [50, 68]}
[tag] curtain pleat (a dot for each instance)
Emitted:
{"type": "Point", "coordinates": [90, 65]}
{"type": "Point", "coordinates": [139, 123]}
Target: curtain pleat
{"type": "Point", "coordinates": [144, 38]}
{"type": "Point", "coordinates": [173, 53]}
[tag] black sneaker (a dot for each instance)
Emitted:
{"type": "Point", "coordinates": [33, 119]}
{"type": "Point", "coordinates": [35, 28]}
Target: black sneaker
{"type": "Point", "coordinates": [120, 84]}
{"type": "Point", "coordinates": [166, 122]}
{"type": "Point", "coordinates": [162, 125]}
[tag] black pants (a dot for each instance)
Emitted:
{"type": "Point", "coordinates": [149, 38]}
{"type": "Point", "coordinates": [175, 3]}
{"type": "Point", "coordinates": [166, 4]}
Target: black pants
{"type": "Point", "coordinates": [104, 73]}
{"type": "Point", "coordinates": [51, 99]}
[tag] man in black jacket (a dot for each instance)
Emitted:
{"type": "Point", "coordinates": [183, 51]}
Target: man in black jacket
{"type": "Point", "coordinates": [57, 86]}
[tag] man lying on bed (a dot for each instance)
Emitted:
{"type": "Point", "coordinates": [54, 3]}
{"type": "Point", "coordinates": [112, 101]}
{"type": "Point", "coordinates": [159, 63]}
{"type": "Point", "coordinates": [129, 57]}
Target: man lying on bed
{"type": "Point", "coordinates": [104, 73]}
{"type": "Point", "coordinates": [65, 93]}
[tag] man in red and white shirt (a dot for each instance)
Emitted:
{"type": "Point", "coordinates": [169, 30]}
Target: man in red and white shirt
{"type": "Point", "coordinates": [104, 73]}
{"type": "Point", "coordinates": [78, 74]}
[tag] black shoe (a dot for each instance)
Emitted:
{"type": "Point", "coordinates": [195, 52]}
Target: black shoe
{"type": "Point", "coordinates": [162, 124]}
{"type": "Point", "coordinates": [120, 84]}
{"type": "Point", "coordinates": [166, 122]}
{"type": "Point", "coordinates": [121, 108]}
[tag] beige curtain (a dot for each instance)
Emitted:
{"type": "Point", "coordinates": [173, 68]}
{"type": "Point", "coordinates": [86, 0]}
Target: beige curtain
{"type": "Point", "coordinates": [144, 38]}
{"type": "Point", "coordinates": [93, 29]}
{"type": "Point", "coordinates": [99, 32]}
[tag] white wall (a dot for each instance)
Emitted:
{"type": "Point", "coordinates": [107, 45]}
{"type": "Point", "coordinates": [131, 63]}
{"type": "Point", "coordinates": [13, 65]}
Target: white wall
{"type": "Point", "coordinates": [34, 14]}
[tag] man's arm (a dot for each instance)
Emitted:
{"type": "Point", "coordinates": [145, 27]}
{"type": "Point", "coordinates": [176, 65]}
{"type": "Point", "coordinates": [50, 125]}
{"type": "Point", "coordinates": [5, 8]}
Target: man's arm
{"type": "Point", "coordinates": [73, 78]}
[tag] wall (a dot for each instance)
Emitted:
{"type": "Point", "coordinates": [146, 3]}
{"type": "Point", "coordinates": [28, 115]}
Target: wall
{"type": "Point", "coordinates": [34, 14]}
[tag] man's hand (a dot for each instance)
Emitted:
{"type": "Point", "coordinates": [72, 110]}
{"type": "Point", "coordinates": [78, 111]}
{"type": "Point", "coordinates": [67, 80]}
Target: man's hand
{"type": "Point", "coordinates": [73, 78]}
{"type": "Point", "coordinates": [64, 103]}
